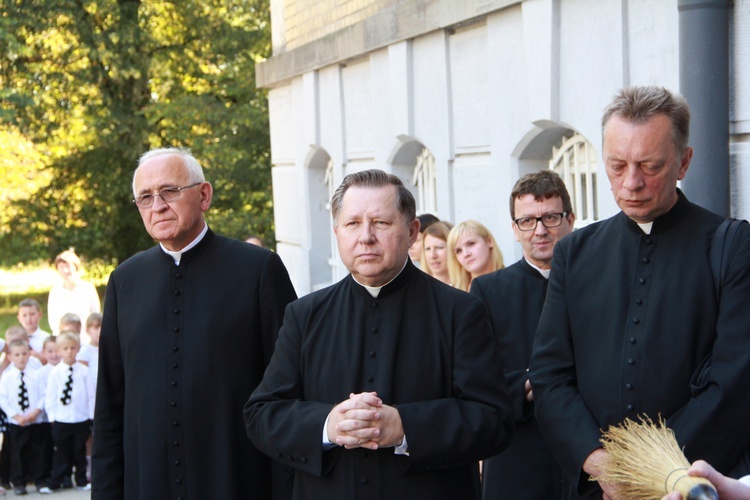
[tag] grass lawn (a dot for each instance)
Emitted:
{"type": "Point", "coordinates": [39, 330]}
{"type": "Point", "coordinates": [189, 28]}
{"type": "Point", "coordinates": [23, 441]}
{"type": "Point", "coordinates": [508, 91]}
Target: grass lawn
{"type": "Point", "coordinates": [34, 282]}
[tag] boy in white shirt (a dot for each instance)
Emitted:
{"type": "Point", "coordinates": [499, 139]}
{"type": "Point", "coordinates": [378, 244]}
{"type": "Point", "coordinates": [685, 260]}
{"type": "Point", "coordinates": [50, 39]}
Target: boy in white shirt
{"type": "Point", "coordinates": [89, 356]}
{"type": "Point", "coordinates": [49, 350]}
{"type": "Point", "coordinates": [69, 402]}
{"type": "Point", "coordinates": [22, 400]}
{"type": "Point", "coordinates": [29, 315]}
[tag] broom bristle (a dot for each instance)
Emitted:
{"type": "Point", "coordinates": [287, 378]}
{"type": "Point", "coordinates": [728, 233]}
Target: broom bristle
{"type": "Point", "coordinates": [644, 461]}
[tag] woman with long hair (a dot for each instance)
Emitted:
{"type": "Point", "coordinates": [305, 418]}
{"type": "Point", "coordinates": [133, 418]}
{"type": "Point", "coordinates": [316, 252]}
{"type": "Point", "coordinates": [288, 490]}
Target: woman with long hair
{"type": "Point", "coordinates": [435, 251]}
{"type": "Point", "coordinates": [472, 252]}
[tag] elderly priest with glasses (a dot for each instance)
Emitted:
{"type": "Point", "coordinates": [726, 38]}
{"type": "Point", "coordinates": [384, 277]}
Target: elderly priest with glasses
{"type": "Point", "coordinates": [189, 327]}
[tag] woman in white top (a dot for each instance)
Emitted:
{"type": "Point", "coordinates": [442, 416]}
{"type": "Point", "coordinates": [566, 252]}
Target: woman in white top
{"type": "Point", "coordinates": [73, 295]}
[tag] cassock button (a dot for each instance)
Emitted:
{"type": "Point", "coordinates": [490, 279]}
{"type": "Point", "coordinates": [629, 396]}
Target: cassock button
{"type": "Point", "coordinates": [176, 329]}
{"type": "Point", "coordinates": [364, 480]}
{"type": "Point", "coordinates": [173, 403]}
{"type": "Point", "coordinates": [636, 321]}
{"type": "Point", "coordinates": [629, 387]}
{"type": "Point", "coordinates": [174, 383]}
{"type": "Point", "coordinates": [642, 281]}
{"type": "Point", "coordinates": [178, 481]}
{"type": "Point", "coordinates": [370, 379]}
{"type": "Point", "coordinates": [372, 354]}
{"type": "Point", "coordinates": [177, 462]}
{"type": "Point", "coordinates": [175, 348]}
{"type": "Point", "coordinates": [649, 241]}
{"type": "Point", "coordinates": [630, 407]}
{"type": "Point", "coordinates": [177, 292]}
{"type": "Point", "coordinates": [645, 260]}
{"type": "Point", "coordinates": [374, 305]}
{"type": "Point", "coordinates": [375, 330]}
{"type": "Point", "coordinates": [639, 301]}
{"type": "Point", "coordinates": [175, 443]}
{"type": "Point", "coordinates": [631, 361]}
{"type": "Point", "coordinates": [176, 311]}
{"type": "Point", "coordinates": [178, 275]}
{"type": "Point", "coordinates": [175, 423]}
{"type": "Point", "coordinates": [632, 340]}
{"type": "Point", "coordinates": [175, 365]}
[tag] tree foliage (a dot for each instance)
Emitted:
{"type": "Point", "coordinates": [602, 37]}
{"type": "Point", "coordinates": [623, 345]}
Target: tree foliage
{"type": "Point", "coordinates": [87, 86]}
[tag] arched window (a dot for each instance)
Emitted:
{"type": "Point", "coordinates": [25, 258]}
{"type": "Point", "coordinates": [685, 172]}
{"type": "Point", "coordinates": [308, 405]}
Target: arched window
{"type": "Point", "coordinates": [333, 259]}
{"type": "Point", "coordinates": [425, 180]}
{"type": "Point", "coordinates": [575, 161]}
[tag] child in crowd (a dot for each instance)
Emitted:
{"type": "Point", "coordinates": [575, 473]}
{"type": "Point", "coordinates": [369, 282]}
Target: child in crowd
{"type": "Point", "coordinates": [70, 322]}
{"type": "Point", "coordinates": [69, 402]}
{"type": "Point", "coordinates": [53, 358]}
{"type": "Point", "coordinates": [16, 332]}
{"type": "Point", "coordinates": [22, 401]}
{"type": "Point", "coordinates": [29, 315]}
{"type": "Point", "coordinates": [89, 356]}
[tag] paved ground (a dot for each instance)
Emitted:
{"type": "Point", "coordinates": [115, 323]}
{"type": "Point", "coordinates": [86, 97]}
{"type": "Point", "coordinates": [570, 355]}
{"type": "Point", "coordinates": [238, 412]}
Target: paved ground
{"type": "Point", "coordinates": [69, 494]}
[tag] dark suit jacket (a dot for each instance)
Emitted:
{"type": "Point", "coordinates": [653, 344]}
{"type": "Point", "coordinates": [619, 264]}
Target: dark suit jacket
{"type": "Point", "coordinates": [526, 469]}
{"type": "Point", "coordinates": [628, 319]}
{"type": "Point", "coordinates": [182, 348]}
{"type": "Point", "coordinates": [426, 348]}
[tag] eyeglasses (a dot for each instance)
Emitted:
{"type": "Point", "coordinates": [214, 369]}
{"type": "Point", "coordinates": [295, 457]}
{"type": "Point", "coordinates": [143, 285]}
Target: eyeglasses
{"type": "Point", "coordinates": [548, 220]}
{"type": "Point", "coordinates": [167, 195]}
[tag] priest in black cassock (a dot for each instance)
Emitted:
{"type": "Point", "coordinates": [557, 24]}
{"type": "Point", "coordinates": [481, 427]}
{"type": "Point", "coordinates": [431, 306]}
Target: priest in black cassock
{"type": "Point", "coordinates": [541, 214]}
{"type": "Point", "coordinates": [632, 319]}
{"type": "Point", "coordinates": [188, 329]}
{"type": "Point", "coordinates": [386, 384]}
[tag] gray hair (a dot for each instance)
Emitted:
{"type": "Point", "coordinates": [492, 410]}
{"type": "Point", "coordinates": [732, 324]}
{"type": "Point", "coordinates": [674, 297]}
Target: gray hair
{"type": "Point", "coordinates": [193, 168]}
{"type": "Point", "coordinates": [375, 178]}
{"type": "Point", "coordinates": [640, 104]}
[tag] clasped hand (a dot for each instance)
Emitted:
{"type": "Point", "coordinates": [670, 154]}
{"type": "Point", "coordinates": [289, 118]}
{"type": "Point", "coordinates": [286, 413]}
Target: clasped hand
{"type": "Point", "coordinates": [363, 421]}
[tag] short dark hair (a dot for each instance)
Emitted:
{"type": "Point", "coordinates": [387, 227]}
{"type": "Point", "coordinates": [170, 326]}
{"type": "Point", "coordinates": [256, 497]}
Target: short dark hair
{"type": "Point", "coordinates": [544, 185]}
{"type": "Point", "coordinates": [375, 178]}
{"type": "Point", "coordinates": [426, 220]}
{"type": "Point", "coordinates": [640, 104]}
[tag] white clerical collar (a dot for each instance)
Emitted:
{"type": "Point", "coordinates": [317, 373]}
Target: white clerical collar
{"type": "Point", "coordinates": [178, 254]}
{"type": "Point", "coordinates": [375, 290]}
{"type": "Point", "coordinates": [543, 272]}
{"type": "Point", "coordinates": [646, 226]}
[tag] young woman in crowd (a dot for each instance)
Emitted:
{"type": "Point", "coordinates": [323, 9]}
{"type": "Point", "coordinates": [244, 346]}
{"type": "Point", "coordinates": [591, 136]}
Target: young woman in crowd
{"type": "Point", "coordinates": [472, 252]}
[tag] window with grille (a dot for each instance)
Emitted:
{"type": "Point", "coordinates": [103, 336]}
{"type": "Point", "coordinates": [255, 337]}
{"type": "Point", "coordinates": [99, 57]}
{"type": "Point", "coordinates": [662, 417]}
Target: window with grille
{"type": "Point", "coordinates": [425, 180]}
{"type": "Point", "coordinates": [575, 162]}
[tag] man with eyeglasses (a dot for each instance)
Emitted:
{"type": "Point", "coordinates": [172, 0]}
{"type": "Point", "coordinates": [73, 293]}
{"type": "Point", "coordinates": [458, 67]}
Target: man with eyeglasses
{"type": "Point", "coordinates": [633, 323]}
{"type": "Point", "coordinates": [541, 214]}
{"type": "Point", "coordinates": [188, 329]}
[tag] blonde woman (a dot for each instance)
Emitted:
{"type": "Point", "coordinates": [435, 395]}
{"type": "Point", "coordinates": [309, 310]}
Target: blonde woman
{"type": "Point", "coordinates": [73, 295]}
{"type": "Point", "coordinates": [472, 252]}
{"type": "Point", "coordinates": [435, 251]}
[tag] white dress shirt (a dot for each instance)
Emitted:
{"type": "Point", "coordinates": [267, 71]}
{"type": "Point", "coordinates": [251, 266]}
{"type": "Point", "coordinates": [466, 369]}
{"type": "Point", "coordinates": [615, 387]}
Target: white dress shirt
{"type": "Point", "coordinates": [10, 387]}
{"type": "Point", "coordinates": [81, 405]}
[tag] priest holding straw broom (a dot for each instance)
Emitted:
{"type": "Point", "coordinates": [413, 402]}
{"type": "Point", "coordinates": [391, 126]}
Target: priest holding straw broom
{"type": "Point", "coordinates": [633, 322]}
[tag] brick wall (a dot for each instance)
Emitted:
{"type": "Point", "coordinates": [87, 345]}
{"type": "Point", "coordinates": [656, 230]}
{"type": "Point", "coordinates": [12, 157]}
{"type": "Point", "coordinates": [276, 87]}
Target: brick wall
{"type": "Point", "coordinates": [309, 20]}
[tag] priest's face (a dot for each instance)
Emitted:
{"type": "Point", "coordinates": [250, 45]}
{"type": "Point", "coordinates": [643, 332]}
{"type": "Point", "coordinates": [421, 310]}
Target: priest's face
{"type": "Point", "coordinates": [373, 237]}
{"type": "Point", "coordinates": [174, 224]}
{"type": "Point", "coordinates": [643, 166]}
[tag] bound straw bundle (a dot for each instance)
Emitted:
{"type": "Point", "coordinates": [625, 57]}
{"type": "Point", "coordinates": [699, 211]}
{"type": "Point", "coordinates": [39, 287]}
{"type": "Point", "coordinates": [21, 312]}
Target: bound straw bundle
{"type": "Point", "coordinates": [644, 462]}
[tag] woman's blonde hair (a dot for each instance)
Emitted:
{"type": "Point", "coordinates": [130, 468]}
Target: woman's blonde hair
{"type": "Point", "coordinates": [460, 277]}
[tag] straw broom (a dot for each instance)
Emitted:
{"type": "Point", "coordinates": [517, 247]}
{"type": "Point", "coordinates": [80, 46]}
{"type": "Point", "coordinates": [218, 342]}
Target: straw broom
{"type": "Point", "coordinates": [644, 462]}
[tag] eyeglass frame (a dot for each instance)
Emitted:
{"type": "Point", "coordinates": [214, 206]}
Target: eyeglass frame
{"type": "Point", "coordinates": [152, 196]}
{"type": "Point", "coordinates": [537, 220]}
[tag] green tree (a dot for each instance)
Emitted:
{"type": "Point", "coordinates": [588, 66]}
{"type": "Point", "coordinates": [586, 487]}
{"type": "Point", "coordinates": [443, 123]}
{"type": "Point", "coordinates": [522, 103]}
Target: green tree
{"type": "Point", "coordinates": [90, 85]}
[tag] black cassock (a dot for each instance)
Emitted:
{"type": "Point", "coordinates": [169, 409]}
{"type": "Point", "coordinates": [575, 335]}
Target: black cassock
{"type": "Point", "coordinates": [182, 348]}
{"type": "Point", "coordinates": [426, 349]}
{"type": "Point", "coordinates": [526, 469]}
{"type": "Point", "coordinates": [628, 320]}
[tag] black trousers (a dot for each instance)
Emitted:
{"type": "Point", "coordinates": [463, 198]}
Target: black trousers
{"type": "Point", "coordinates": [27, 454]}
{"type": "Point", "coordinates": [70, 451]}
